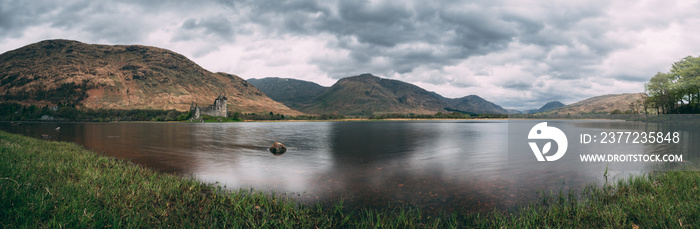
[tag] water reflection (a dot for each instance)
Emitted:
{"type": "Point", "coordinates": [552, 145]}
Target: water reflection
{"type": "Point", "coordinates": [432, 164]}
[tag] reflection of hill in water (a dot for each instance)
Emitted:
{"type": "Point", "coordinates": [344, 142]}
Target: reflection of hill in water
{"type": "Point", "coordinates": [153, 145]}
{"type": "Point", "coordinates": [434, 165]}
{"type": "Point", "coordinates": [374, 142]}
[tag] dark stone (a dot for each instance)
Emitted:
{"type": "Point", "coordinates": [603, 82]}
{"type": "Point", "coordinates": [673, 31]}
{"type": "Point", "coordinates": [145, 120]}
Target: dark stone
{"type": "Point", "coordinates": [278, 148]}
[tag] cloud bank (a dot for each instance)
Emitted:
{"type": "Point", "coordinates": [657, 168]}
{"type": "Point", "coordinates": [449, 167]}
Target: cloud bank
{"type": "Point", "coordinates": [518, 54]}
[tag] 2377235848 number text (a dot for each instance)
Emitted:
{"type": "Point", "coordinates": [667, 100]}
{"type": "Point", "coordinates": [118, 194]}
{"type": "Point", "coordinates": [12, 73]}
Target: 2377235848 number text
{"type": "Point", "coordinates": [625, 137]}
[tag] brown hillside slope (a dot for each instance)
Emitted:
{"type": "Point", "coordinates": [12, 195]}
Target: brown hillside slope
{"type": "Point", "coordinates": [120, 77]}
{"type": "Point", "coordinates": [602, 104]}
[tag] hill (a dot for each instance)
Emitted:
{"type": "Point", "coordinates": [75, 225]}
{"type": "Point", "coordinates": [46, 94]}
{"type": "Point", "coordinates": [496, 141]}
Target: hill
{"type": "Point", "coordinates": [120, 77]}
{"type": "Point", "coordinates": [604, 104]}
{"type": "Point", "coordinates": [474, 104]}
{"type": "Point", "coordinates": [367, 94]}
{"type": "Point", "coordinates": [514, 111]}
{"type": "Point", "coordinates": [290, 92]}
{"type": "Point", "coordinates": [547, 107]}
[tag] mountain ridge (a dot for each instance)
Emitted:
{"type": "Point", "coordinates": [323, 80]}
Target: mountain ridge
{"type": "Point", "coordinates": [366, 94]}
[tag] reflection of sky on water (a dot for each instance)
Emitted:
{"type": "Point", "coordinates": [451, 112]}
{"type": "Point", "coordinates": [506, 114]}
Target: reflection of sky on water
{"type": "Point", "coordinates": [243, 160]}
{"type": "Point", "coordinates": [432, 164]}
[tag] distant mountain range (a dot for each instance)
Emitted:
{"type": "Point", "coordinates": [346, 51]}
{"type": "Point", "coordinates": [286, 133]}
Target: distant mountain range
{"type": "Point", "coordinates": [367, 94]}
{"type": "Point", "coordinates": [604, 104]}
{"type": "Point", "coordinates": [120, 77]}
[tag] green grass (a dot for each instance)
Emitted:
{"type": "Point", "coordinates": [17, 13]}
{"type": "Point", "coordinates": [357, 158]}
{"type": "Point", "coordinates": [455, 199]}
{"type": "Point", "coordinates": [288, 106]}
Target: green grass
{"type": "Point", "coordinates": [61, 185]}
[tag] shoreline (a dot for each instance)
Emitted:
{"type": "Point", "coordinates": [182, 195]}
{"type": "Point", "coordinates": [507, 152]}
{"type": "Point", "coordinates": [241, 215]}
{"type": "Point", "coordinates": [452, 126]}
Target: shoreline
{"type": "Point", "coordinates": [367, 119]}
{"type": "Point", "coordinates": [56, 184]}
{"type": "Point", "coordinates": [244, 121]}
{"type": "Point", "coordinates": [324, 120]}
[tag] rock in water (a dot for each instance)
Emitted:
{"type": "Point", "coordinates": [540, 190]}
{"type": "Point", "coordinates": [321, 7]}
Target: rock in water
{"type": "Point", "coordinates": [278, 148]}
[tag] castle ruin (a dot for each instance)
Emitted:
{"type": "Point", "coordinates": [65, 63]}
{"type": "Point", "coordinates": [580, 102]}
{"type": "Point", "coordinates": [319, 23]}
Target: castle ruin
{"type": "Point", "coordinates": [218, 109]}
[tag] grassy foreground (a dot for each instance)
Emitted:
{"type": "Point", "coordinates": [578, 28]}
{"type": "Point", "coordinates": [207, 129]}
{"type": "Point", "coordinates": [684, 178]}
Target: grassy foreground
{"type": "Point", "coordinates": [62, 185]}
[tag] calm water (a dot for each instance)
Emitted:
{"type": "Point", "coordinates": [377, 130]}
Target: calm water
{"type": "Point", "coordinates": [443, 165]}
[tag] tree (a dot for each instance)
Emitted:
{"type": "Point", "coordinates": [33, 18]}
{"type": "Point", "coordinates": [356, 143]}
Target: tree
{"type": "Point", "coordinates": [687, 73]}
{"type": "Point", "coordinates": [677, 91]}
{"type": "Point", "coordinates": [659, 90]}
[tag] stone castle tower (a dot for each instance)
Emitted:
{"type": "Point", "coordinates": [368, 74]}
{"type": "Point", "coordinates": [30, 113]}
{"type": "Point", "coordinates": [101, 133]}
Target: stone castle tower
{"type": "Point", "coordinates": [218, 109]}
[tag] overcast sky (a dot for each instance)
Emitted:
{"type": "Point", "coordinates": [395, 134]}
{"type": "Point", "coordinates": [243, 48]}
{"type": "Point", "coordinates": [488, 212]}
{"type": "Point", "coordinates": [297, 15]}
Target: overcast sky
{"type": "Point", "coordinates": [518, 54]}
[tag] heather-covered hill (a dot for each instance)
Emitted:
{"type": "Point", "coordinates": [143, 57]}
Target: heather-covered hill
{"type": "Point", "coordinates": [120, 77]}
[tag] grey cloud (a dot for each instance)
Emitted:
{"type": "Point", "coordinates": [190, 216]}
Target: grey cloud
{"type": "Point", "coordinates": [440, 80]}
{"type": "Point", "coordinates": [213, 30]}
{"type": "Point", "coordinates": [69, 16]}
{"type": "Point", "coordinates": [17, 16]}
{"type": "Point", "coordinates": [461, 85]}
{"type": "Point", "coordinates": [361, 12]}
{"type": "Point", "coordinates": [477, 29]}
{"type": "Point", "coordinates": [518, 85]}
{"type": "Point", "coordinates": [460, 31]}
{"type": "Point", "coordinates": [632, 78]}
{"type": "Point", "coordinates": [300, 16]}
{"type": "Point", "coordinates": [100, 20]}
{"type": "Point", "coordinates": [122, 31]}
{"type": "Point", "coordinates": [384, 25]}
{"type": "Point", "coordinates": [381, 28]}
{"type": "Point", "coordinates": [217, 26]}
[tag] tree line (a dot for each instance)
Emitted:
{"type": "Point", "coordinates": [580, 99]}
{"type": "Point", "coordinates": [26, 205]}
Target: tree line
{"type": "Point", "coordinates": [18, 112]}
{"type": "Point", "coordinates": [676, 91]}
